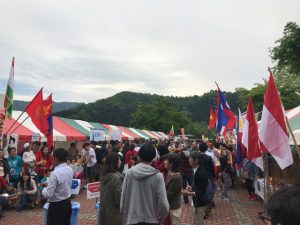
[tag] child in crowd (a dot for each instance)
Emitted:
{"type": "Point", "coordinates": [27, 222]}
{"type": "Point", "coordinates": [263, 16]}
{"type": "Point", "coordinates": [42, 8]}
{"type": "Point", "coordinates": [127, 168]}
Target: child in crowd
{"type": "Point", "coordinates": [13, 195]}
{"type": "Point", "coordinates": [41, 185]}
{"type": "Point", "coordinates": [26, 191]}
{"type": "Point", "coordinates": [28, 158]}
{"type": "Point", "coordinates": [174, 187]}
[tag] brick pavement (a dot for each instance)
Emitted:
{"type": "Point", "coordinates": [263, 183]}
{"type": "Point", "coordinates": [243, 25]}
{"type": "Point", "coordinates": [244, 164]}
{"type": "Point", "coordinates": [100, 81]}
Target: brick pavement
{"type": "Point", "coordinates": [237, 211]}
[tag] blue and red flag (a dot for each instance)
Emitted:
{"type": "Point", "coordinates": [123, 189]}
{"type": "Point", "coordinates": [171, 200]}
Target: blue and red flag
{"type": "Point", "coordinates": [47, 104]}
{"type": "Point", "coordinates": [226, 118]}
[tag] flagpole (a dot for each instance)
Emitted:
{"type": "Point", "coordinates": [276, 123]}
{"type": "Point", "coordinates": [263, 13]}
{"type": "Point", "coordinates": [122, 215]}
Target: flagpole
{"type": "Point", "coordinates": [19, 125]}
{"type": "Point", "coordinates": [266, 180]}
{"type": "Point", "coordinates": [14, 123]}
{"type": "Point", "coordinates": [293, 136]}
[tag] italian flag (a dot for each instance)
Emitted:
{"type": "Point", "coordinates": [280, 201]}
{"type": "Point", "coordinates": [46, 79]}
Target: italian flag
{"type": "Point", "coordinates": [8, 101]}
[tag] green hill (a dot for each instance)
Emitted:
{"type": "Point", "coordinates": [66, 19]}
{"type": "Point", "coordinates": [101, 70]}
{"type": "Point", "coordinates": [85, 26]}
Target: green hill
{"type": "Point", "coordinates": [119, 108]}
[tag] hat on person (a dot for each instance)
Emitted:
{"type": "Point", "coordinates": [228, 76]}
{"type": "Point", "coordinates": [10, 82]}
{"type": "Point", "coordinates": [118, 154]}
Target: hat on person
{"type": "Point", "coordinates": [26, 145]}
{"type": "Point", "coordinates": [1, 171]}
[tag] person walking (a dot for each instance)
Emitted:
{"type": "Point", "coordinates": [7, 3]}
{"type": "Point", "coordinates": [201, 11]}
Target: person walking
{"type": "Point", "coordinates": [186, 172]}
{"type": "Point", "coordinates": [58, 190]}
{"type": "Point", "coordinates": [173, 186]}
{"type": "Point", "coordinates": [199, 189]}
{"type": "Point", "coordinates": [250, 172]}
{"type": "Point", "coordinates": [111, 189]}
{"type": "Point", "coordinates": [144, 198]}
{"type": "Point", "coordinates": [225, 173]}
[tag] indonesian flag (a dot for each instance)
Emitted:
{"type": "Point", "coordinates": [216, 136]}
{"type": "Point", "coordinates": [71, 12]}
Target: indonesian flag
{"type": "Point", "coordinates": [250, 137]}
{"type": "Point", "coordinates": [272, 130]}
{"type": "Point", "coordinates": [8, 100]}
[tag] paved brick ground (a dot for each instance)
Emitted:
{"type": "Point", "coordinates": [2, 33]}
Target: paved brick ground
{"type": "Point", "coordinates": [237, 211]}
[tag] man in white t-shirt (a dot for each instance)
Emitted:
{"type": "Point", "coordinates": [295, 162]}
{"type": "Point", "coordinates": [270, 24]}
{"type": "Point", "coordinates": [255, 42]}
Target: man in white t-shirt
{"type": "Point", "coordinates": [89, 162]}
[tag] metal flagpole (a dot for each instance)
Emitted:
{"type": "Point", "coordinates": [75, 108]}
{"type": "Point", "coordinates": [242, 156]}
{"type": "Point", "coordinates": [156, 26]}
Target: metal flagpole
{"type": "Point", "coordinates": [19, 125]}
{"type": "Point", "coordinates": [14, 123]}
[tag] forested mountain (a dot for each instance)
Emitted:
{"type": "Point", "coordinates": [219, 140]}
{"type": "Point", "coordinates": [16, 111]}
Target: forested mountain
{"type": "Point", "coordinates": [57, 106]}
{"type": "Point", "coordinates": [119, 108]}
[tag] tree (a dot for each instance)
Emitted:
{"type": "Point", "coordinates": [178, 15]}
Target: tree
{"type": "Point", "coordinates": [287, 52]}
{"type": "Point", "coordinates": [161, 115]}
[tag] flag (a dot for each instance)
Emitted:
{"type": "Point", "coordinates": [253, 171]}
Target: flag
{"type": "Point", "coordinates": [47, 105]}
{"type": "Point", "coordinates": [272, 130]}
{"type": "Point", "coordinates": [35, 111]}
{"type": "Point", "coordinates": [226, 118]}
{"type": "Point", "coordinates": [212, 118]}
{"type": "Point", "coordinates": [172, 131]}
{"type": "Point", "coordinates": [250, 137]}
{"type": "Point", "coordinates": [182, 133]}
{"type": "Point", "coordinates": [240, 148]}
{"type": "Point", "coordinates": [8, 100]}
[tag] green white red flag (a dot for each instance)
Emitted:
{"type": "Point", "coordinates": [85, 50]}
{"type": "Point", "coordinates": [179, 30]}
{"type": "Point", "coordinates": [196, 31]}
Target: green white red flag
{"type": "Point", "coordinates": [172, 131]}
{"type": "Point", "coordinates": [8, 100]}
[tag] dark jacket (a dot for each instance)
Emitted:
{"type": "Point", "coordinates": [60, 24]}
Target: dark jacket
{"type": "Point", "coordinates": [101, 153]}
{"type": "Point", "coordinates": [111, 189]}
{"type": "Point", "coordinates": [225, 165]}
{"type": "Point", "coordinates": [184, 166]}
{"type": "Point", "coordinates": [207, 163]}
{"type": "Point", "coordinates": [200, 187]}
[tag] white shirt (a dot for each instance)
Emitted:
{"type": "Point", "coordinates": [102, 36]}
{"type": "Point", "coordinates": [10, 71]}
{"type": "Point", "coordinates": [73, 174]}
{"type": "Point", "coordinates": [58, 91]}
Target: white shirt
{"type": "Point", "coordinates": [195, 169]}
{"type": "Point", "coordinates": [212, 155]}
{"type": "Point", "coordinates": [59, 184]}
{"type": "Point", "coordinates": [29, 157]}
{"type": "Point", "coordinates": [93, 160]}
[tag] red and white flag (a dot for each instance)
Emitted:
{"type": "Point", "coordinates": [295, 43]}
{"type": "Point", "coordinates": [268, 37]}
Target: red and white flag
{"type": "Point", "coordinates": [250, 137]}
{"type": "Point", "coordinates": [273, 134]}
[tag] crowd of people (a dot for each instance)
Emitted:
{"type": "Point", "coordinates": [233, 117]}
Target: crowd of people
{"type": "Point", "coordinates": [141, 182]}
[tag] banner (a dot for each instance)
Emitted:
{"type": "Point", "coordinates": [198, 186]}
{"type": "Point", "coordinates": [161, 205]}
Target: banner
{"type": "Point", "coordinates": [116, 135]}
{"type": "Point", "coordinates": [12, 141]}
{"type": "Point", "coordinates": [93, 190]}
{"type": "Point", "coordinates": [182, 134]}
{"type": "Point", "coordinates": [36, 137]}
{"type": "Point", "coordinates": [97, 134]}
{"type": "Point", "coordinates": [75, 188]}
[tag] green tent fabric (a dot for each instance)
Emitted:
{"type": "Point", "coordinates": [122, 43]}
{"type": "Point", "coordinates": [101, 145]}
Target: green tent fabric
{"type": "Point", "coordinates": [76, 126]}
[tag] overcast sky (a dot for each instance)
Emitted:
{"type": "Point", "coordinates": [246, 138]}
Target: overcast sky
{"type": "Point", "coordinates": [83, 50]}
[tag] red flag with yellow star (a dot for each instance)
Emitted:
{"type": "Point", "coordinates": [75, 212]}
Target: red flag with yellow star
{"type": "Point", "coordinates": [212, 118]}
{"type": "Point", "coordinates": [35, 111]}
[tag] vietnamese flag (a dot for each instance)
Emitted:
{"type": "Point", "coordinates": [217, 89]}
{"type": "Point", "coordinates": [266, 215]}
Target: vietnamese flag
{"type": "Point", "coordinates": [35, 111]}
{"type": "Point", "coordinates": [47, 105]}
{"type": "Point", "coordinates": [212, 118]}
{"type": "Point", "coordinates": [272, 130]}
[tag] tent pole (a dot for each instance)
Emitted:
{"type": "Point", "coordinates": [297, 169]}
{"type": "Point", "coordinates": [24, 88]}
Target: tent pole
{"type": "Point", "coordinates": [293, 136]}
{"type": "Point", "coordinates": [19, 125]}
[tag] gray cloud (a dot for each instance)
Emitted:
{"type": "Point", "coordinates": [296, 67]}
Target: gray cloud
{"type": "Point", "coordinates": [83, 51]}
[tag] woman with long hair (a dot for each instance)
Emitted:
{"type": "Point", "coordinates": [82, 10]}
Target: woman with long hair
{"type": "Point", "coordinates": [111, 188]}
{"type": "Point", "coordinates": [45, 162]}
{"type": "Point", "coordinates": [26, 191]}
